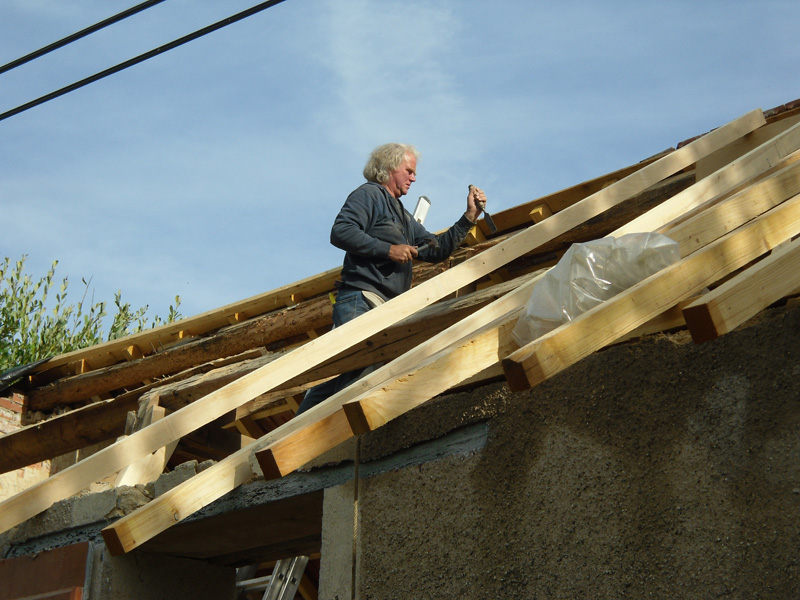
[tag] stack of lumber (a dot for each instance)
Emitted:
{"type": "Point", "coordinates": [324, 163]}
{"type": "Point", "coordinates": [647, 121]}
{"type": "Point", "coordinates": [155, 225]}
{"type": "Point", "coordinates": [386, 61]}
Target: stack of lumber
{"type": "Point", "coordinates": [225, 384]}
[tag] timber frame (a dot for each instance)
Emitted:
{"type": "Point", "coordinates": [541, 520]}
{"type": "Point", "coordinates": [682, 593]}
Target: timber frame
{"type": "Point", "coordinates": [225, 384]}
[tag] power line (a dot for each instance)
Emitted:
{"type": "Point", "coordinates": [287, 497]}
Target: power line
{"type": "Point", "coordinates": [80, 34]}
{"type": "Point", "coordinates": [141, 58]}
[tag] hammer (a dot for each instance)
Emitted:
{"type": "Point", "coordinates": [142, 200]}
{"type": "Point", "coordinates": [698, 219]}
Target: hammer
{"type": "Point", "coordinates": [486, 216]}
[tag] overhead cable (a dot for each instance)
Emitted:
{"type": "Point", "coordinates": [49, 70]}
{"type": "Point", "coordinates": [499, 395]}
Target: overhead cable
{"type": "Point", "coordinates": [80, 34]}
{"type": "Point", "coordinates": [141, 58]}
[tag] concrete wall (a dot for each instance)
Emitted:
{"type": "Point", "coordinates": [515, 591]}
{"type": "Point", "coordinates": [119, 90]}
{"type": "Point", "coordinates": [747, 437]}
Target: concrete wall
{"type": "Point", "coordinates": [652, 469]}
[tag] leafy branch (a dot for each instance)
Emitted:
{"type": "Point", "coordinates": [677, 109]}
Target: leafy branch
{"type": "Point", "coordinates": [30, 331]}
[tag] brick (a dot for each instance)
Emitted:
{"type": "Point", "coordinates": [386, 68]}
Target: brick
{"type": "Point", "coordinates": [9, 405]}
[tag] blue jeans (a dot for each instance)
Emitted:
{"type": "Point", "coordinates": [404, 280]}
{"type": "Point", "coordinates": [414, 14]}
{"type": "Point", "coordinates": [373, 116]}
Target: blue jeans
{"type": "Point", "coordinates": [349, 305]}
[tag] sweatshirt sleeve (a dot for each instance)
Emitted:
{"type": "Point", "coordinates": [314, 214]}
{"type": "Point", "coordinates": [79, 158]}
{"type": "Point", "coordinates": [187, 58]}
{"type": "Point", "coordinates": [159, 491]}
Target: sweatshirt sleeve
{"type": "Point", "coordinates": [349, 231]}
{"type": "Point", "coordinates": [446, 243]}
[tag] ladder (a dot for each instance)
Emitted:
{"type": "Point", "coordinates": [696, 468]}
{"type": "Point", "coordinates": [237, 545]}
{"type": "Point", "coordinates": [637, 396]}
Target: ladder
{"type": "Point", "coordinates": [282, 584]}
{"type": "Point", "coordinates": [285, 578]}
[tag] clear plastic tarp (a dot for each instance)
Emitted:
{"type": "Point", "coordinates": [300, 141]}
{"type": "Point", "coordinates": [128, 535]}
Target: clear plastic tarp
{"type": "Point", "coordinates": [590, 273]}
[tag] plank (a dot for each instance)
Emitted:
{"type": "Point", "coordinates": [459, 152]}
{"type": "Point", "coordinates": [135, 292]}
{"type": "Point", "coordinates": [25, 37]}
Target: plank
{"type": "Point", "coordinates": [328, 427]}
{"type": "Point", "coordinates": [87, 425]}
{"type": "Point", "coordinates": [637, 205]}
{"type": "Point", "coordinates": [148, 468]}
{"type": "Point", "coordinates": [72, 593]}
{"type": "Point", "coordinates": [64, 433]}
{"type": "Point", "coordinates": [441, 372]}
{"type": "Point", "coordinates": [723, 156]}
{"type": "Point", "coordinates": [436, 374]}
{"type": "Point", "coordinates": [303, 443]}
{"type": "Point", "coordinates": [280, 523]}
{"type": "Point", "coordinates": [165, 335]}
{"type": "Point", "coordinates": [724, 215]}
{"type": "Point", "coordinates": [387, 345]}
{"type": "Point", "coordinates": [721, 182]}
{"type": "Point", "coordinates": [776, 164]}
{"type": "Point", "coordinates": [232, 341]}
{"type": "Point", "coordinates": [672, 318]}
{"type": "Point", "coordinates": [743, 296]}
{"type": "Point", "coordinates": [550, 204]}
{"type": "Point", "coordinates": [51, 571]}
{"type": "Point", "coordinates": [602, 325]}
{"type": "Point", "coordinates": [109, 460]}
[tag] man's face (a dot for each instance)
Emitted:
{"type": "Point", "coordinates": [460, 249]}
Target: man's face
{"type": "Point", "coordinates": [401, 179]}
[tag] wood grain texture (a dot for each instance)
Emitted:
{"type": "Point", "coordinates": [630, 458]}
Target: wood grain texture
{"type": "Point", "coordinates": [555, 351]}
{"type": "Point", "coordinates": [741, 297]}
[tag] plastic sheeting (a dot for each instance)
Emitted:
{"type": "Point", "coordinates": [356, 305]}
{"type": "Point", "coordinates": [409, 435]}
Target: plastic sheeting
{"type": "Point", "coordinates": [590, 273]}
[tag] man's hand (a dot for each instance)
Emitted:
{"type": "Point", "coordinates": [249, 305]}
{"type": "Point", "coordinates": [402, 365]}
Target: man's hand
{"type": "Point", "coordinates": [401, 253]}
{"type": "Point", "coordinates": [476, 200]}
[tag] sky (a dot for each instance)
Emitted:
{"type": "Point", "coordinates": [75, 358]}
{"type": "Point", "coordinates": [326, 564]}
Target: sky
{"type": "Point", "coordinates": [214, 171]}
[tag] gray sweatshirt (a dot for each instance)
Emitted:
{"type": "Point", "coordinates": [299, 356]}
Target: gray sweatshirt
{"type": "Point", "coordinates": [369, 223]}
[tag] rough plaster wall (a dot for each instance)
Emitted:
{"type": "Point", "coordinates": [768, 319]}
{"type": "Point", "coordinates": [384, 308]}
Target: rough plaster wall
{"type": "Point", "coordinates": [655, 469]}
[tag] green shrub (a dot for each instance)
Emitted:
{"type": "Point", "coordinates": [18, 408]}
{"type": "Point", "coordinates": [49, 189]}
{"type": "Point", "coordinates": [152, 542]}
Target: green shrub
{"type": "Point", "coordinates": [30, 330]}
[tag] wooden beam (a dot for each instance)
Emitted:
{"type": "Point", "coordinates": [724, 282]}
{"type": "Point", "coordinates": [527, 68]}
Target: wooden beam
{"type": "Point", "coordinates": [384, 346]}
{"type": "Point", "coordinates": [776, 164]}
{"type": "Point", "coordinates": [234, 340]}
{"type": "Point", "coordinates": [436, 374]}
{"type": "Point", "coordinates": [565, 198]}
{"type": "Point", "coordinates": [148, 468]}
{"type": "Point", "coordinates": [620, 215]}
{"type": "Point", "coordinates": [474, 236]}
{"type": "Point", "coordinates": [305, 442]}
{"type": "Point", "coordinates": [249, 426]}
{"type": "Point", "coordinates": [40, 496]}
{"type": "Point", "coordinates": [721, 182]}
{"type": "Point", "coordinates": [325, 419]}
{"type": "Point", "coordinates": [672, 318]}
{"type": "Point", "coordinates": [741, 297]}
{"type": "Point", "coordinates": [208, 321]}
{"type": "Point", "coordinates": [64, 433]}
{"type": "Point", "coordinates": [540, 212]}
{"type": "Point", "coordinates": [277, 523]}
{"type": "Point", "coordinates": [129, 532]}
{"type": "Point", "coordinates": [88, 425]}
{"type": "Point", "coordinates": [725, 215]}
{"type": "Point", "coordinates": [602, 325]}
{"type": "Point", "coordinates": [723, 156]}
{"type": "Point", "coordinates": [211, 441]}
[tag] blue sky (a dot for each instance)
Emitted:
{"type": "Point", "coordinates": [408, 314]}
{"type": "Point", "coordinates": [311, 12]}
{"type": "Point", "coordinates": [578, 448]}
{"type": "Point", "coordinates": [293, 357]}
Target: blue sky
{"type": "Point", "coordinates": [214, 171]}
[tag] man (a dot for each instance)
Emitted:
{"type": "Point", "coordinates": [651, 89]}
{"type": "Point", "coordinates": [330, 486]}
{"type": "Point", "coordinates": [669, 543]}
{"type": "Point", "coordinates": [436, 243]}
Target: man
{"type": "Point", "coordinates": [381, 239]}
